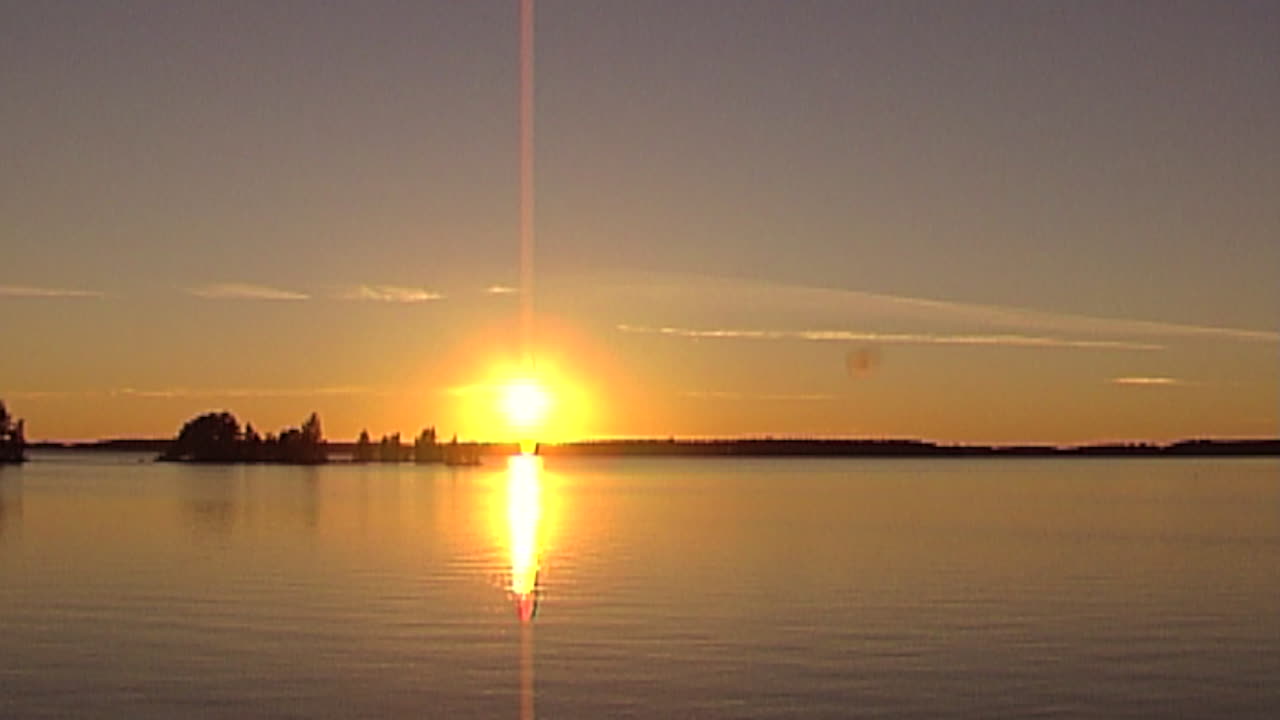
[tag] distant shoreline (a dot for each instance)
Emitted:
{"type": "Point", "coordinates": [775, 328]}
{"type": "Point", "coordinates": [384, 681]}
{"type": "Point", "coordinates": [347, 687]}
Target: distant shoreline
{"type": "Point", "coordinates": [786, 447]}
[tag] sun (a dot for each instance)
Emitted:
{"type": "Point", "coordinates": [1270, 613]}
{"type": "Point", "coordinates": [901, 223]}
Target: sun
{"type": "Point", "coordinates": [525, 403]}
{"type": "Point", "coordinates": [516, 402]}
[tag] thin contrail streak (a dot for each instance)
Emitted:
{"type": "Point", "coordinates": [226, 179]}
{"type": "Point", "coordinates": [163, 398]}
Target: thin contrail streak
{"type": "Point", "coordinates": [526, 181]}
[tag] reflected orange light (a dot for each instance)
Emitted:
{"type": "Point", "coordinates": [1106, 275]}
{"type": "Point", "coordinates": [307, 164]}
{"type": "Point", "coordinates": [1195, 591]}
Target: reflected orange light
{"type": "Point", "coordinates": [524, 515]}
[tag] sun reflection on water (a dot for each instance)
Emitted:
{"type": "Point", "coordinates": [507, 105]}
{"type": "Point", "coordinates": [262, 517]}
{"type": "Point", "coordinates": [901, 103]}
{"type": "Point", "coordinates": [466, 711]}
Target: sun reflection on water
{"type": "Point", "coordinates": [524, 520]}
{"type": "Point", "coordinates": [524, 516]}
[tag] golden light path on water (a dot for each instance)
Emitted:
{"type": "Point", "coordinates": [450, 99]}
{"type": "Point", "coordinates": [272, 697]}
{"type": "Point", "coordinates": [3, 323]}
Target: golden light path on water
{"type": "Point", "coordinates": [524, 516]}
{"type": "Point", "coordinates": [524, 543]}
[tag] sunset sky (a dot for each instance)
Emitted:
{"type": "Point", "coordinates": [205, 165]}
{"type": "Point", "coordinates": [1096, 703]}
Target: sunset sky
{"type": "Point", "coordinates": [960, 221]}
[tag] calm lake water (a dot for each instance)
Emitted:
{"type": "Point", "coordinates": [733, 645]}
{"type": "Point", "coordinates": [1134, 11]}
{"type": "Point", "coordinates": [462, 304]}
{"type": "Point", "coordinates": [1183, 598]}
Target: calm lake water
{"type": "Point", "coordinates": [652, 588]}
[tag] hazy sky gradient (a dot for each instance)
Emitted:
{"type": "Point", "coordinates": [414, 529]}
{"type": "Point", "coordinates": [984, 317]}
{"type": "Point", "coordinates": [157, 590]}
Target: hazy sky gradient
{"type": "Point", "coordinates": [286, 206]}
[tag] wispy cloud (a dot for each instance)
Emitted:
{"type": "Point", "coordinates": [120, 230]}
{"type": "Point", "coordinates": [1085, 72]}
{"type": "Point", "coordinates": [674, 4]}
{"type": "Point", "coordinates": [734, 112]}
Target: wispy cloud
{"type": "Point", "coordinates": [28, 291]}
{"type": "Point", "coordinates": [243, 392]}
{"type": "Point", "coordinates": [829, 304]}
{"type": "Point", "coordinates": [1067, 322]}
{"type": "Point", "coordinates": [390, 293]}
{"type": "Point", "coordinates": [471, 390]}
{"type": "Point", "coordinates": [172, 393]}
{"type": "Point", "coordinates": [1005, 340]}
{"type": "Point", "coordinates": [244, 291]}
{"type": "Point", "coordinates": [501, 290]}
{"type": "Point", "coordinates": [728, 395]}
{"type": "Point", "coordinates": [1148, 381]}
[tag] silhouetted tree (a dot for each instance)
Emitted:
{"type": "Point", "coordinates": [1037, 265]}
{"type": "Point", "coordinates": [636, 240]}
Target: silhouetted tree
{"type": "Point", "coordinates": [311, 430]}
{"type": "Point", "coordinates": [13, 441]}
{"type": "Point", "coordinates": [287, 444]}
{"type": "Point", "coordinates": [212, 437]}
{"type": "Point", "coordinates": [309, 443]}
{"type": "Point", "coordinates": [425, 448]}
{"type": "Point", "coordinates": [364, 448]}
{"type": "Point", "coordinates": [389, 449]}
{"type": "Point", "coordinates": [253, 447]}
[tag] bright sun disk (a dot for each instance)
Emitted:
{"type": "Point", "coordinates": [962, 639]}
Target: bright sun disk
{"type": "Point", "coordinates": [525, 403]}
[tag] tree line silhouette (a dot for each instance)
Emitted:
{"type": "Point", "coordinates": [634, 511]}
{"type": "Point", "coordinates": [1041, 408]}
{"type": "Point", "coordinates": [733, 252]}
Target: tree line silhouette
{"type": "Point", "coordinates": [425, 449]}
{"type": "Point", "coordinates": [217, 437]}
{"type": "Point", "coordinates": [390, 449]}
{"type": "Point", "coordinates": [13, 441]}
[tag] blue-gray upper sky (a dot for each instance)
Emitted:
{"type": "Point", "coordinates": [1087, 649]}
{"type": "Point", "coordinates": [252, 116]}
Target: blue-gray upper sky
{"type": "Point", "coordinates": [1110, 160]}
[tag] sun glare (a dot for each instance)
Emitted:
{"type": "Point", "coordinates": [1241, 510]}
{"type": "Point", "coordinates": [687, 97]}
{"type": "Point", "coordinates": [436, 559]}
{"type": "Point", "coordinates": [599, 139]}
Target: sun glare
{"type": "Point", "coordinates": [513, 403]}
{"type": "Point", "coordinates": [525, 404]}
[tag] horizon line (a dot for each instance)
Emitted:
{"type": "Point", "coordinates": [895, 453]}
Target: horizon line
{"type": "Point", "coordinates": [760, 437]}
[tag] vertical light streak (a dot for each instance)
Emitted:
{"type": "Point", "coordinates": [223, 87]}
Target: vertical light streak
{"type": "Point", "coordinates": [526, 183]}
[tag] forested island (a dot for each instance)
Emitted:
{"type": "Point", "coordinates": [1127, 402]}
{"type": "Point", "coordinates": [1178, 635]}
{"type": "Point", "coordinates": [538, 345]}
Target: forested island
{"type": "Point", "coordinates": [217, 437]}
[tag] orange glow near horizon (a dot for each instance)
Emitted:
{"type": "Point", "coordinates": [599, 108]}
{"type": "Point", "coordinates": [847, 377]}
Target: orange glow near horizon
{"type": "Point", "coordinates": [514, 405]}
{"type": "Point", "coordinates": [492, 392]}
